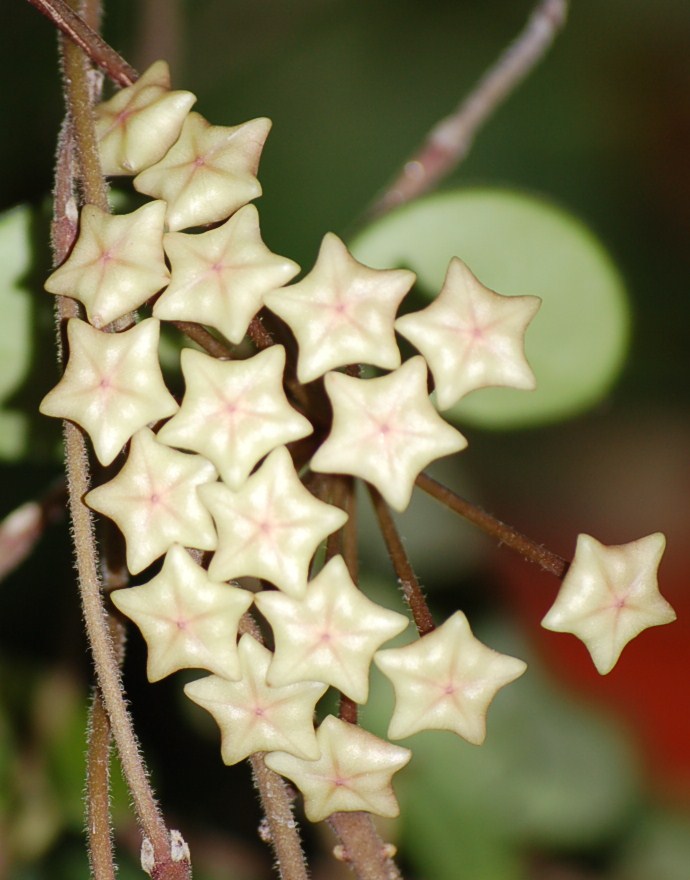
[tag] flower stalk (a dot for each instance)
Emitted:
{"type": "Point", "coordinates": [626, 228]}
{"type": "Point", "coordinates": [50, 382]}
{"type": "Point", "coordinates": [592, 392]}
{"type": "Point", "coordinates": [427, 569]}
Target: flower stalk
{"type": "Point", "coordinates": [79, 103]}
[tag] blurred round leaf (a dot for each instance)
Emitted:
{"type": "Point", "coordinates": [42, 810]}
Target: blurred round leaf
{"type": "Point", "coordinates": [26, 339]}
{"type": "Point", "coordinates": [659, 848]}
{"type": "Point", "coordinates": [15, 339]}
{"type": "Point", "coordinates": [518, 244]}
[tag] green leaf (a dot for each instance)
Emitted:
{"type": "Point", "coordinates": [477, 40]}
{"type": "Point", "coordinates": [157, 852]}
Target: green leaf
{"type": "Point", "coordinates": [518, 244]}
{"type": "Point", "coordinates": [26, 341]}
{"type": "Point", "coordinates": [659, 847]}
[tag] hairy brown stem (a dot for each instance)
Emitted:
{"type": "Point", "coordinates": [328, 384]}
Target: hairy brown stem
{"type": "Point", "coordinates": [99, 731]}
{"type": "Point", "coordinates": [505, 534]}
{"type": "Point", "coordinates": [282, 827]}
{"type": "Point", "coordinates": [259, 335]}
{"type": "Point", "coordinates": [365, 852]}
{"type": "Point", "coordinates": [164, 860]}
{"type": "Point", "coordinates": [78, 31]}
{"type": "Point", "coordinates": [98, 754]}
{"type": "Point", "coordinates": [409, 584]}
{"type": "Point", "coordinates": [98, 825]}
{"type": "Point", "coordinates": [450, 140]}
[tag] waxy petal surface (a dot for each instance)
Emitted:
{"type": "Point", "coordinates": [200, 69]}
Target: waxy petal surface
{"type": "Point", "coordinates": [446, 680]}
{"type": "Point", "coordinates": [117, 262]}
{"type": "Point", "coordinates": [209, 173]}
{"type": "Point", "coordinates": [354, 772]}
{"type": "Point", "coordinates": [112, 385]}
{"type": "Point", "coordinates": [255, 717]}
{"type": "Point", "coordinates": [154, 501]}
{"type": "Point", "coordinates": [234, 412]}
{"type": "Point", "coordinates": [187, 620]}
{"type": "Point", "coordinates": [220, 277]}
{"type": "Point", "coordinates": [342, 312]}
{"type": "Point", "coordinates": [472, 337]}
{"type": "Point", "coordinates": [331, 634]}
{"type": "Point", "coordinates": [385, 431]}
{"type": "Point", "coordinates": [139, 124]}
{"type": "Point", "coordinates": [609, 595]}
{"type": "Point", "coordinates": [271, 527]}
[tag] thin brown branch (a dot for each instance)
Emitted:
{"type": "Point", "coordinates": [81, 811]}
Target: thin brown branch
{"type": "Point", "coordinates": [505, 534]}
{"type": "Point", "coordinates": [21, 529]}
{"type": "Point", "coordinates": [409, 584]}
{"type": "Point", "coordinates": [79, 101]}
{"type": "Point", "coordinates": [339, 490]}
{"type": "Point", "coordinates": [203, 338]}
{"type": "Point", "coordinates": [98, 825]}
{"type": "Point", "coordinates": [362, 848]}
{"type": "Point", "coordinates": [451, 139]}
{"type": "Point", "coordinates": [350, 543]}
{"type": "Point", "coordinates": [78, 31]}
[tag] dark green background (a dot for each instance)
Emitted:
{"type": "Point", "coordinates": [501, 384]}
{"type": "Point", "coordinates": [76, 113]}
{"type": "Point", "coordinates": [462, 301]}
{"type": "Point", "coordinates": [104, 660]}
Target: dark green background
{"type": "Point", "coordinates": [603, 128]}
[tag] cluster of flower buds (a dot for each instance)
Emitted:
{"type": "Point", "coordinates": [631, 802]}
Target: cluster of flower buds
{"type": "Point", "coordinates": [218, 476]}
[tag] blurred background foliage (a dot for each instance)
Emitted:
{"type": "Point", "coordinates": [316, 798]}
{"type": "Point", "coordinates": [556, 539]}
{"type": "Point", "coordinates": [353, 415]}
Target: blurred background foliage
{"type": "Point", "coordinates": [581, 778]}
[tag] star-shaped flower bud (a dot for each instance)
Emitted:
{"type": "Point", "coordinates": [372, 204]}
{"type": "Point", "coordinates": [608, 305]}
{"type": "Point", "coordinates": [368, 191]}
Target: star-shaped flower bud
{"type": "Point", "coordinates": [342, 312]}
{"type": "Point", "coordinates": [139, 124]}
{"type": "Point", "coordinates": [234, 412]}
{"type": "Point", "coordinates": [609, 595]}
{"type": "Point", "coordinates": [220, 277]}
{"type": "Point", "coordinates": [472, 337]}
{"type": "Point", "coordinates": [154, 501]}
{"type": "Point", "coordinates": [353, 773]}
{"type": "Point", "coordinates": [209, 173]}
{"type": "Point", "coordinates": [446, 680]}
{"type": "Point", "coordinates": [271, 527]}
{"type": "Point", "coordinates": [112, 385]}
{"type": "Point", "coordinates": [116, 264]}
{"type": "Point", "coordinates": [330, 634]}
{"type": "Point", "coordinates": [187, 620]}
{"type": "Point", "coordinates": [385, 430]}
{"type": "Point", "coordinates": [254, 717]}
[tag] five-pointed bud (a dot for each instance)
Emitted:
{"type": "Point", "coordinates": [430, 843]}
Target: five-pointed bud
{"type": "Point", "coordinates": [609, 595]}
